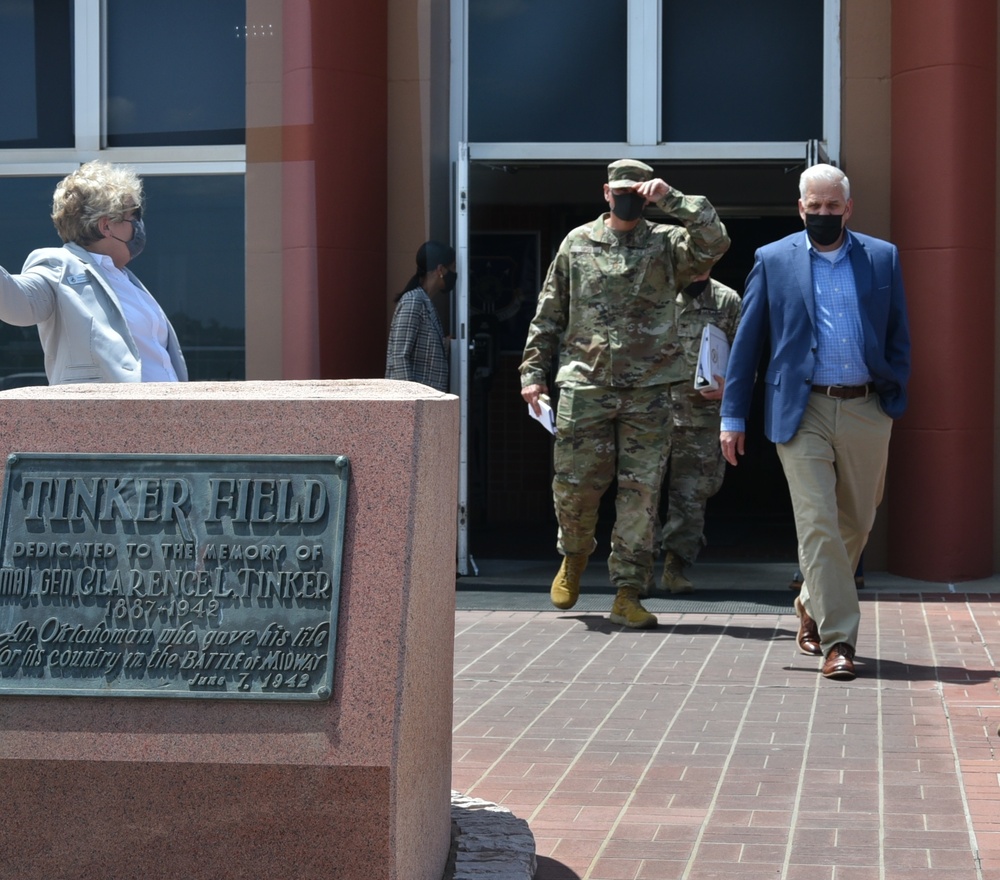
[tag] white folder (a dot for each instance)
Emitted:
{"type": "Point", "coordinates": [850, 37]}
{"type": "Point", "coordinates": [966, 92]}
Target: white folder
{"type": "Point", "coordinates": [713, 358]}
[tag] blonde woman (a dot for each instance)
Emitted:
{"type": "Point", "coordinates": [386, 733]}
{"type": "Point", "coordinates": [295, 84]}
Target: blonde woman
{"type": "Point", "coordinates": [96, 321]}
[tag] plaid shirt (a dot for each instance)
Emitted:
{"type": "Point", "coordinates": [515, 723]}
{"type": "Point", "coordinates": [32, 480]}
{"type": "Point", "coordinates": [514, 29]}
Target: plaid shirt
{"type": "Point", "coordinates": [418, 350]}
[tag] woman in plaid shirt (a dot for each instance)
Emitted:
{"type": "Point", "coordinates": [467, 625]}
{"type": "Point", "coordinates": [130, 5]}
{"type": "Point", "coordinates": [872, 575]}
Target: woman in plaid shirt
{"type": "Point", "coordinates": [418, 346]}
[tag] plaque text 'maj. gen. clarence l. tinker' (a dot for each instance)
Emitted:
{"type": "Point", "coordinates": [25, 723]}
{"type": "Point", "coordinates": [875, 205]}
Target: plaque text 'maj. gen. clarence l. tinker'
{"type": "Point", "coordinates": [171, 576]}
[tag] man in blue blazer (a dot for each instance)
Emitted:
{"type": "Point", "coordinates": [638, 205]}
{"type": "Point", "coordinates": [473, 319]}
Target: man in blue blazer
{"type": "Point", "coordinates": [831, 302]}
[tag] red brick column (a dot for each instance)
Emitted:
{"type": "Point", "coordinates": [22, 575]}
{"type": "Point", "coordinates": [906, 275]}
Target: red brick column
{"type": "Point", "coordinates": [944, 100]}
{"type": "Point", "coordinates": [334, 188]}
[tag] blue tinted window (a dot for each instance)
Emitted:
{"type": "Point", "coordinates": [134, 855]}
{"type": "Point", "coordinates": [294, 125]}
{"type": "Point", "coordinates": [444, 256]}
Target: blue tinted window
{"type": "Point", "coordinates": [547, 70]}
{"type": "Point", "coordinates": [36, 70]}
{"type": "Point", "coordinates": [193, 264]}
{"type": "Point", "coordinates": [738, 71]}
{"type": "Point", "coordinates": [176, 72]}
{"type": "Point", "coordinates": [24, 226]}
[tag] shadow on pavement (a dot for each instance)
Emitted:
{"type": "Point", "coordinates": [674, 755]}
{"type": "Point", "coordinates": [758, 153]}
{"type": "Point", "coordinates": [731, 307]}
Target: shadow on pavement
{"type": "Point", "coordinates": [550, 869]}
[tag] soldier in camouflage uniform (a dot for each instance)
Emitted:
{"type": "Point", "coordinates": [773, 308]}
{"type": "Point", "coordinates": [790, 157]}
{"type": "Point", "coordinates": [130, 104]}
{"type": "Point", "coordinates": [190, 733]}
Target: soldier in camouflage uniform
{"type": "Point", "coordinates": [696, 463]}
{"type": "Point", "coordinates": [607, 311]}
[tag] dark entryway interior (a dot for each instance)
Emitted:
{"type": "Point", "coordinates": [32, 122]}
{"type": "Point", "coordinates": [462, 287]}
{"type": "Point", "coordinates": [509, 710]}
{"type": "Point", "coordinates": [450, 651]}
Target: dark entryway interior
{"type": "Point", "coordinates": [518, 216]}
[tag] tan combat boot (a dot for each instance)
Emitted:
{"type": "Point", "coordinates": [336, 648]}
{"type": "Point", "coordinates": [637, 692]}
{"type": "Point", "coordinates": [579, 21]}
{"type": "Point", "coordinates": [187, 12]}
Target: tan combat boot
{"type": "Point", "coordinates": [627, 610]}
{"type": "Point", "coordinates": [673, 574]}
{"type": "Point", "coordinates": [566, 587]}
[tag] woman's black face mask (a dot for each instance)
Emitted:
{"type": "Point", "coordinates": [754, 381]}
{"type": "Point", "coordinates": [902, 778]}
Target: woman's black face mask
{"type": "Point", "coordinates": [628, 205]}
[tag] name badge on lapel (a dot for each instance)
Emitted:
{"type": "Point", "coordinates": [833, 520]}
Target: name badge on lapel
{"type": "Point", "coordinates": [77, 279]}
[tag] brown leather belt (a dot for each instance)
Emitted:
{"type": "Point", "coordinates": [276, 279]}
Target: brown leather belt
{"type": "Point", "coordinates": [845, 392]}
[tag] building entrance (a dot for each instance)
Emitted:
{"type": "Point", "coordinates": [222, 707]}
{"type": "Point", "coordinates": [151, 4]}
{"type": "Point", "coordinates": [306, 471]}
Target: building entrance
{"type": "Point", "coordinates": [517, 217]}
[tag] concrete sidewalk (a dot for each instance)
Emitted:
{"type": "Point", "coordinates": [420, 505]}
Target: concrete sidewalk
{"type": "Point", "coordinates": [710, 747]}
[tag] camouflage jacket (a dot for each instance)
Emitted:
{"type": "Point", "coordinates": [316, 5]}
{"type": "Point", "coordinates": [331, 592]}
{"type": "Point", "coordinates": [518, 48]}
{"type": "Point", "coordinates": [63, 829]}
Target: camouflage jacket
{"type": "Point", "coordinates": [719, 305]}
{"type": "Point", "coordinates": [607, 309]}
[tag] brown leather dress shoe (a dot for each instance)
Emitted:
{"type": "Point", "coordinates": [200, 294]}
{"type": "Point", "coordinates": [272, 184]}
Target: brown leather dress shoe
{"type": "Point", "coordinates": [839, 663]}
{"type": "Point", "coordinates": [808, 637]}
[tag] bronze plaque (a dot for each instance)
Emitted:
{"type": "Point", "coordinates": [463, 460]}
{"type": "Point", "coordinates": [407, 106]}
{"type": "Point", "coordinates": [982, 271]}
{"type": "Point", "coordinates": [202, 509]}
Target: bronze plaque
{"type": "Point", "coordinates": [171, 576]}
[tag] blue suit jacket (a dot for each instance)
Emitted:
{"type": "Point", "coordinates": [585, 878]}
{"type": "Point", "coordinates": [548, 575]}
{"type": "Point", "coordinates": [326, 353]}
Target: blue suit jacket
{"type": "Point", "coordinates": [779, 304]}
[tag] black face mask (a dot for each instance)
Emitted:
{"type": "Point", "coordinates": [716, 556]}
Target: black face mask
{"type": "Point", "coordinates": [696, 288]}
{"type": "Point", "coordinates": [628, 206]}
{"type": "Point", "coordinates": [138, 240]}
{"type": "Point", "coordinates": [824, 229]}
{"type": "Point", "coordinates": [449, 281]}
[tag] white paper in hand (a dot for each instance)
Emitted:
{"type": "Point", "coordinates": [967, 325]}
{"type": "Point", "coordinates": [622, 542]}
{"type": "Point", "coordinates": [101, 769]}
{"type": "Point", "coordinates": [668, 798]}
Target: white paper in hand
{"type": "Point", "coordinates": [713, 358]}
{"type": "Point", "coordinates": [547, 419]}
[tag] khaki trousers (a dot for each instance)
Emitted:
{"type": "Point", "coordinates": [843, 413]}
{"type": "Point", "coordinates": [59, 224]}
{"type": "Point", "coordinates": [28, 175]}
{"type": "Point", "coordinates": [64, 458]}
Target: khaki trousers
{"type": "Point", "coordinates": [835, 466]}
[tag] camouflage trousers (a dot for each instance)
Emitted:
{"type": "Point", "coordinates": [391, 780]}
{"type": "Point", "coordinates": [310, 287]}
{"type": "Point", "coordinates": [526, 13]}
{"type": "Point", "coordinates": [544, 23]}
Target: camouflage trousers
{"type": "Point", "coordinates": [603, 434]}
{"type": "Point", "coordinates": [697, 469]}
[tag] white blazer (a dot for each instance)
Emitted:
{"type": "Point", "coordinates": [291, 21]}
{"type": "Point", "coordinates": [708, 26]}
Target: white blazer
{"type": "Point", "coordinates": [80, 322]}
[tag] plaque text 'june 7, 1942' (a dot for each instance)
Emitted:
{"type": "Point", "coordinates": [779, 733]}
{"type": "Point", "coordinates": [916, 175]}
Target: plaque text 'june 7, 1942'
{"type": "Point", "coordinates": [171, 576]}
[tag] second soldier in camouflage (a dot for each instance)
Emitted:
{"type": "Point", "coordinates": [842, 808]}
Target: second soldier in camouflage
{"type": "Point", "coordinates": [697, 467]}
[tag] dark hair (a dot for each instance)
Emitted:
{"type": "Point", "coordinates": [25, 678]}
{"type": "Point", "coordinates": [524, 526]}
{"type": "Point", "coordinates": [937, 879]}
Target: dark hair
{"type": "Point", "coordinates": [430, 255]}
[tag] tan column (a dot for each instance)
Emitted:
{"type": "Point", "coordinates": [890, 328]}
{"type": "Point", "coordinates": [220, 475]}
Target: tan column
{"type": "Point", "coordinates": [944, 115]}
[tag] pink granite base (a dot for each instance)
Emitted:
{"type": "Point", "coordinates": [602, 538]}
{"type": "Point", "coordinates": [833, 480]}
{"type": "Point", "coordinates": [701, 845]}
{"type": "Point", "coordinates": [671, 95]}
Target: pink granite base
{"type": "Point", "coordinates": [356, 787]}
{"type": "Point", "coordinates": [98, 820]}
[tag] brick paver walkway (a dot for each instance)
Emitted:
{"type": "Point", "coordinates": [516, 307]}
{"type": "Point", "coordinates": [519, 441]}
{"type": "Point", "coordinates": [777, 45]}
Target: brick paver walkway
{"type": "Point", "coordinates": [710, 747]}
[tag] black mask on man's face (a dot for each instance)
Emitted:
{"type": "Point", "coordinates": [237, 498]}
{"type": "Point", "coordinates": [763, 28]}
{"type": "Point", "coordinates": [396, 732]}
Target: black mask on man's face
{"type": "Point", "coordinates": [824, 229]}
{"type": "Point", "coordinates": [696, 288]}
{"type": "Point", "coordinates": [628, 205]}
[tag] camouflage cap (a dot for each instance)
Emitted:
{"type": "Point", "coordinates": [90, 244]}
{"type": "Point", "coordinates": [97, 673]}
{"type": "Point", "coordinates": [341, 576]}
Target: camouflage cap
{"type": "Point", "coordinates": [627, 173]}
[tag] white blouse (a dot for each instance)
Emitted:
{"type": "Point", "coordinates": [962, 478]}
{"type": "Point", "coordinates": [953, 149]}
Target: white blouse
{"type": "Point", "coordinates": [146, 321]}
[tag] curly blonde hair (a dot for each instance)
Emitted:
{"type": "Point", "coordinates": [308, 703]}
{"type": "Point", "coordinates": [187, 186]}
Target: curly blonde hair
{"type": "Point", "coordinates": [92, 192]}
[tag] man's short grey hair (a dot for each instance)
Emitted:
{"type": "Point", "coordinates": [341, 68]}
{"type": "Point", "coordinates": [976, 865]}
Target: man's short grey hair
{"type": "Point", "coordinates": [826, 174]}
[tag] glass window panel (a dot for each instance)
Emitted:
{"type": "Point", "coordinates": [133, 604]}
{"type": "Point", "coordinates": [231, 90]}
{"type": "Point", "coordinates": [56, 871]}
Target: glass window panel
{"type": "Point", "coordinates": [25, 225]}
{"type": "Point", "coordinates": [193, 265]}
{"type": "Point", "coordinates": [36, 69]}
{"type": "Point", "coordinates": [547, 70]}
{"type": "Point", "coordinates": [176, 72]}
{"type": "Point", "coordinates": [738, 71]}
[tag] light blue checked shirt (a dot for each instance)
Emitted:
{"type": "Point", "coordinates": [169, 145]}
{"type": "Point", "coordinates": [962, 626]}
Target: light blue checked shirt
{"type": "Point", "coordinates": [840, 357]}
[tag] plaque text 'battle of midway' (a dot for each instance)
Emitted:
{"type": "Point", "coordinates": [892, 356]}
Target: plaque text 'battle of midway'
{"type": "Point", "coordinates": [171, 576]}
